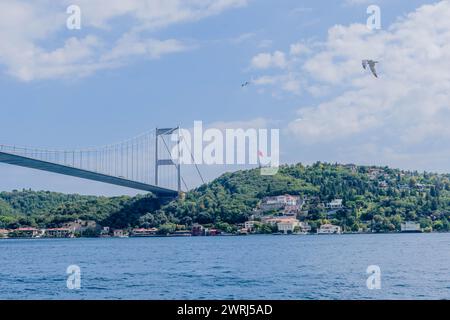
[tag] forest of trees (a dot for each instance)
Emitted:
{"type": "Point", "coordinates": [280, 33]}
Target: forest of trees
{"type": "Point", "coordinates": [374, 197]}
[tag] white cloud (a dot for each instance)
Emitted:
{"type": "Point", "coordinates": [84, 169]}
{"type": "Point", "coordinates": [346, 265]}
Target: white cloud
{"type": "Point", "coordinates": [289, 82]}
{"type": "Point", "coordinates": [285, 74]}
{"type": "Point", "coordinates": [257, 123]}
{"type": "Point", "coordinates": [411, 100]}
{"type": "Point", "coordinates": [299, 49]}
{"type": "Point", "coordinates": [131, 45]}
{"type": "Point", "coordinates": [152, 13]}
{"type": "Point", "coordinates": [357, 2]}
{"type": "Point", "coordinates": [301, 10]}
{"type": "Point", "coordinates": [26, 28]}
{"type": "Point", "coordinates": [268, 60]}
{"type": "Point", "coordinates": [242, 38]}
{"type": "Point", "coordinates": [403, 115]}
{"type": "Point", "coordinates": [265, 43]}
{"type": "Point", "coordinates": [265, 80]}
{"type": "Point", "coordinates": [63, 61]}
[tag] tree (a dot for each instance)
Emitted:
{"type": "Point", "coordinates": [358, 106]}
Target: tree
{"type": "Point", "coordinates": [167, 228]}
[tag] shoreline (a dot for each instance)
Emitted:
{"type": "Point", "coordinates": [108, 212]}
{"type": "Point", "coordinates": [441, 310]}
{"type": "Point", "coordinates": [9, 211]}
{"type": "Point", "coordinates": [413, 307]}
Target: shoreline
{"type": "Point", "coordinates": [225, 235]}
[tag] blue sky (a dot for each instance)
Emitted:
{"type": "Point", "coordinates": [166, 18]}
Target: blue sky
{"type": "Point", "coordinates": [127, 71]}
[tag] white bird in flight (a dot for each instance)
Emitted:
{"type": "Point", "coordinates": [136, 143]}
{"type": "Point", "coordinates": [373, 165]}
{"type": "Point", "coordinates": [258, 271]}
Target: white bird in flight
{"type": "Point", "coordinates": [371, 64]}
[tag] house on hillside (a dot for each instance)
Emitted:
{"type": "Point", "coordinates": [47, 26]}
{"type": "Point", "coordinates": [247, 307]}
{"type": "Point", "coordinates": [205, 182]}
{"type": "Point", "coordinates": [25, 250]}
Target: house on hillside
{"type": "Point", "coordinates": [383, 185]}
{"type": "Point", "coordinates": [352, 167]}
{"type": "Point", "coordinates": [335, 204]}
{"type": "Point", "coordinates": [374, 173]}
{"type": "Point", "coordinates": [281, 202]}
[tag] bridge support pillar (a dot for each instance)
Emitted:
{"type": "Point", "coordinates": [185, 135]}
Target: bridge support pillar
{"type": "Point", "coordinates": [160, 134]}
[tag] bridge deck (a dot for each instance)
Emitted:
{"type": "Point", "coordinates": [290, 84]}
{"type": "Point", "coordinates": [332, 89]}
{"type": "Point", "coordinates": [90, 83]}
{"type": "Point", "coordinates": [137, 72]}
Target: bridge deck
{"type": "Point", "coordinates": [84, 174]}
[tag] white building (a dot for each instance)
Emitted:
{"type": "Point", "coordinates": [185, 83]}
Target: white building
{"type": "Point", "coordinates": [81, 225]}
{"type": "Point", "coordinates": [287, 225]}
{"type": "Point", "coordinates": [383, 185]}
{"type": "Point", "coordinates": [335, 204]}
{"type": "Point", "coordinates": [4, 233]}
{"type": "Point", "coordinates": [410, 226]}
{"type": "Point", "coordinates": [249, 225]}
{"type": "Point", "coordinates": [119, 233]}
{"type": "Point", "coordinates": [278, 202]}
{"type": "Point", "coordinates": [287, 200]}
{"type": "Point", "coordinates": [304, 227]}
{"type": "Point", "coordinates": [274, 220]}
{"type": "Point", "coordinates": [329, 229]}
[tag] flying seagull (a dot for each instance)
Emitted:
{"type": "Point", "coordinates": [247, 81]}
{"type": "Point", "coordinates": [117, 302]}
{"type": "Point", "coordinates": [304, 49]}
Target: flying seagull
{"type": "Point", "coordinates": [246, 83]}
{"type": "Point", "coordinates": [371, 64]}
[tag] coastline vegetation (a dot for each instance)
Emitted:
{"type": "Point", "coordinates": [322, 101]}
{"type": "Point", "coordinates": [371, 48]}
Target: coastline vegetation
{"type": "Point", "coordinates": [374, 198]}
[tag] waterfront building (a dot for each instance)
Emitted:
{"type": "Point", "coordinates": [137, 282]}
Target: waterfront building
{"type": "Point", "coordinates": [58, 233]}
{"type": "Point", "coordinates": [287, 226]}
{"type": "Point", "coordinates": [197, 230]}
{"type": "Point", "coordinates": [105, 232]}
{"type": "Point", "coordinates": [4, 233]}
{"type": "Point", "coordinates": [80, 226]}
{"type": "Point", "coordinates": [213, 232]}
{"type": "Point", "coordinates": [249, 226]}
{"type": "Point", "coordinates": [182, 233]}
{"type": "Point", "coordinates": [410, 226]}
{"type": "Point", "coordinates": [141, 232]}
{"type": "Point", "coordinates": [291, 225]}
{"type": "Point", "coordinates": [119, 233]}
{"type": "Point", "coordinates": [243, 231]}
{"type": "Point", "coordinates": [329, 229]}
{"type": "Point", "coordinates": [304, 227]}
{"type": "Point", "coordinates": [27, 232]}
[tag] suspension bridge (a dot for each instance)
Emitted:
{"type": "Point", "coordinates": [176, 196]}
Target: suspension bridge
{"type": "Point", "coordinates": [145, 162]}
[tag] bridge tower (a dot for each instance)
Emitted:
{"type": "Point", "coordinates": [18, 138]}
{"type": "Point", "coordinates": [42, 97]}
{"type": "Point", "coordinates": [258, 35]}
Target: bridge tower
{"type": "Point", "coordinates": [160, 134]}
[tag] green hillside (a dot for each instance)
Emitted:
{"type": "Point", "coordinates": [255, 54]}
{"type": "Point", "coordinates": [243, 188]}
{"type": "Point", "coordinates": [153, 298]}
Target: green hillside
{"type": "Point", "coordinates": [374, 197]}
{"type": "Point", "coordinates": [383, 197]}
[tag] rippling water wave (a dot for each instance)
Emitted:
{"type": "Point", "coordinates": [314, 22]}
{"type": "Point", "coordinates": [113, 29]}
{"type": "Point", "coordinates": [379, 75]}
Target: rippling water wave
{"type": "Point", "coordinates": [413, 266]}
